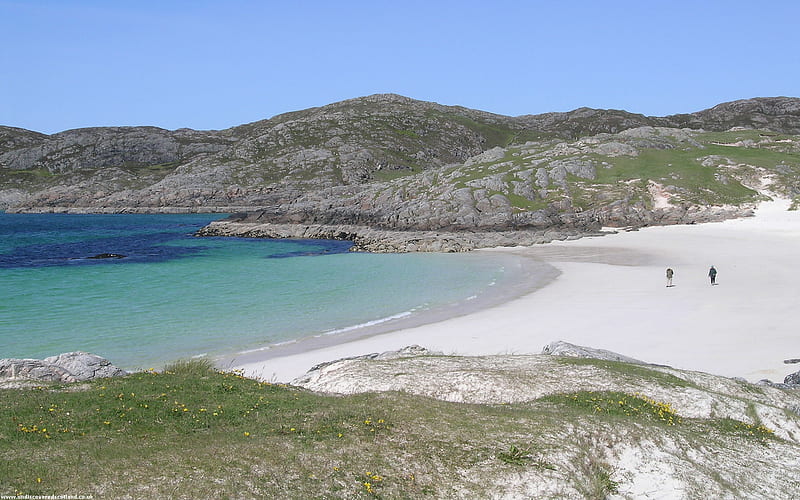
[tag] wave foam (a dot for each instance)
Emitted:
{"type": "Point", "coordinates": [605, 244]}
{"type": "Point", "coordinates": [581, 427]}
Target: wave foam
{"type": "Point", "coordinates": [404, 314]}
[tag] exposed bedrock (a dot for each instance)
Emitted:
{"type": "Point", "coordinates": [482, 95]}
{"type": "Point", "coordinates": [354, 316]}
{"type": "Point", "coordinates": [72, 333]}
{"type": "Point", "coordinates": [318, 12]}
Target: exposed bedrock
{"type": "Point", "coordinates": [68, 367]}
{"type": "Point", "coordinates": [432, 235]}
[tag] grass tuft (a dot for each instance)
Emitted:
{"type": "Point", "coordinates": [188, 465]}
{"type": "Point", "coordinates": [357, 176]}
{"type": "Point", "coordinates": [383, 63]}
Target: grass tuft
{"type": "Point", "coordinates": [618, 404]}
{"type": "Point", "coordinates": [190, 367]}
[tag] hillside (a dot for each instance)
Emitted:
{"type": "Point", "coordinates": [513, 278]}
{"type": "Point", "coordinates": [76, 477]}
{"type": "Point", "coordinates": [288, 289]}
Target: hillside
{"type": "Point", "coordinates": [546, 189]}
{"type": "Point", "coordinates": [408, 424]}
{"type": "Point", "coordinates": [387, 161]}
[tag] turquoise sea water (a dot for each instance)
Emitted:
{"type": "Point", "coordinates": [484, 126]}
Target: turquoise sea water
{"type": "Point", "coordinates": [175, 296]}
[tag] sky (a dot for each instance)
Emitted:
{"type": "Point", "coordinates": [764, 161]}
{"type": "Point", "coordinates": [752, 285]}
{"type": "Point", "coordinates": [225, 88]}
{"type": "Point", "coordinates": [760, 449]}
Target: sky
{"type": "Point", "coordinates": [204, 65]}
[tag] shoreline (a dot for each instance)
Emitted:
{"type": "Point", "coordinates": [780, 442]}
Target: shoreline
{"type": "Point", "coordinates": [611, 294]}
{"type": "Point", "coordinates": [529, 275]}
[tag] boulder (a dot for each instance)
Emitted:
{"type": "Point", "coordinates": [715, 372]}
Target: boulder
{"type": "Point", "coordinates": [317, 371]}
{"type": "Point", "coordinates": [792, 379]}
{"type": "Point", "coordinates": [34, 369]}
{"type": "Point", "coordinates": [85, 366]}
{"type": "Point", "coordinates": [68, 367]}
{"type": "Point", "coordinates": [561, 348]}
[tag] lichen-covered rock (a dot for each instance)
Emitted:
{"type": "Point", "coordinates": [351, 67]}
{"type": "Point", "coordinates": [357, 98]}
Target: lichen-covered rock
{"type": "Point", "coordinates": [318, 371]}
{"type": "Point", "coordinates": [85, 366]}
{"type": "Point", "coordinates": [792, 379]}
{"type": "Point", "coordinates": [561, 348]}
{"type": "Point", "coordinates": [34, 369]}
{"type": "Point", "coordinates": [66, 368]}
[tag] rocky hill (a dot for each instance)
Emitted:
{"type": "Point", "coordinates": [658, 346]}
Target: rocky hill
{"type": "Point", "coordinates": [606, 425]}
{"type": "Point", "coordinates": [390, 162]}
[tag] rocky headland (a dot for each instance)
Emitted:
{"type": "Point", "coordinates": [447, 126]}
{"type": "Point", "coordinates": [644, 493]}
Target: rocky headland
{"type": "Point", "coordinates": [367, 238]}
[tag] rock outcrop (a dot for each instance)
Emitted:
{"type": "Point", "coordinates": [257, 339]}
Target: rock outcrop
{"type": "Point", "coordinates": [781, 114]}
{"type": "Point", "coordinates": [66, 368]}
{"type": "Point", "coordinates": [369, 239]}
{"type": "Point", "coordinates": [317, 371]}
{"type": "Point", "coordinates": [518, 378]}
{"type": "Point", "coordinates": [34, 369]}
{"type": "Point", "coordinates": [713, 437]}
{"type": "Point", "coordinates": [561, 348]}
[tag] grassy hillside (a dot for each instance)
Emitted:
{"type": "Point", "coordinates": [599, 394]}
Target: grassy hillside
{"type": "Point", "coordinates": [191, 432]}
{"type": "Point", "coordinates": [697, 168]}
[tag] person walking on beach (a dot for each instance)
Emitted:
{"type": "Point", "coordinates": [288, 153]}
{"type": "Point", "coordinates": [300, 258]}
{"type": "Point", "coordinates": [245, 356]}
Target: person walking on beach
{"type": "Point", "coordinates": [670, 273]}
{"type": "Point", "coordinates": [712, 273]}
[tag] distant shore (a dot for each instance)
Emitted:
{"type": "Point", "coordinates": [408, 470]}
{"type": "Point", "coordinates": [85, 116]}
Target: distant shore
{"type": "Point", "coordinates": [200, 209]}
{"type": "Point", "coordinates": [377, 240]}
{"type": "Point", "coordinates": [612, 294]}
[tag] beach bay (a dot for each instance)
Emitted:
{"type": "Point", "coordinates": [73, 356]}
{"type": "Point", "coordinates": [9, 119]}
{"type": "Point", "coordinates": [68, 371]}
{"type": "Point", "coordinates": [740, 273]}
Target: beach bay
{"type": "Point", "coordinates": [175, 296]}
{"type": "Point", "coordinates": [611, 294]}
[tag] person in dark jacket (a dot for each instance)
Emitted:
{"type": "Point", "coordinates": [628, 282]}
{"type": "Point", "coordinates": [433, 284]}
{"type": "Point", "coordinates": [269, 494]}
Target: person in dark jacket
{"type": "Point", "coordinates": [712, 273]}
{"type": "Point", "coordinates": [670, 274]}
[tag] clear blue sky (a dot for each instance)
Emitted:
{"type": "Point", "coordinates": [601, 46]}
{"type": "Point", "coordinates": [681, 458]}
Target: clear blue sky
{"type": "Point", "coordinates": [212, 65]}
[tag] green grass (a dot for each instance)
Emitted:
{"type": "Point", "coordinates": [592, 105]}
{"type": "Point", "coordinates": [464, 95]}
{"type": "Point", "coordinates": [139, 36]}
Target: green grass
{"type": "Point", "coordinates": [739, 135]}
{"type": "Point", "coordinates": [682, 168]}
{"type": "Point", "coordinates": [523, 457]}
{"type": "Point", "coordinates": [760, 157]}
{"type": "Point", "coordinates": [627, 177]}
{"type": "Point", "coordinates": [522, 204]}
{"type": "Point", "coordinates": [142, 168]}
{"type": "Point", "coordinates": [191, 432]}
{"type": "Point", "coordinates": [733, 427]}
{"type": "Point", "coordinates": [506, 165]}
{"type": "Point", "coordinates": [201, 367]}
{"type": "Point", "coordinates": [618, 404]}
{"type": "Point", "coordinates": [405, 167]}
{"type": "Point", "coordinates": [407, 133]}
{"type": "Point", "coordinates": [149, 424]}
{"type": "Point", "coordinates": [627, 370]}
{"type": "Point", "coordinates": [495, 134]}
{"type": "Point", "coordinates": [26, 179]}
{"type": "Point", "coordinates": [34, 173]}
{"type": "Point", "coordinates": [677, 168]}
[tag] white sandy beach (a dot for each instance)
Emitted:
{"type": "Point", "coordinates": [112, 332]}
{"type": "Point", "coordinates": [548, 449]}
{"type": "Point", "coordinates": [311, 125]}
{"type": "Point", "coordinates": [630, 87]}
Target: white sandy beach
{"type": "Point", "coordinates": [612, 295]}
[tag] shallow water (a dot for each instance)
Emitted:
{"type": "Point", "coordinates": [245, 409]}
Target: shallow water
{"type": "Point", "coordinates": [175, 296]}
